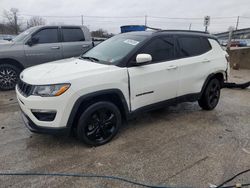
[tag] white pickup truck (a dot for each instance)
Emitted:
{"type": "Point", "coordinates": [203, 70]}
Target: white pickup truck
{"type": "Point", "coordinates": [121, 77]}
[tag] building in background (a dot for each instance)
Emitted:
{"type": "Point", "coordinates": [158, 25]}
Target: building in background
{"type": "Point", "coordinates": [241, 36]}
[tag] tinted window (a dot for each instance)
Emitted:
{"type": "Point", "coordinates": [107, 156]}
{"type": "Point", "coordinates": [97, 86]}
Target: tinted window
{"type": "Point", "coordinates": [192, 46]}
{"type": "Point", "coordinates": [23, 35]}
{"type": "Point", "coordinates": [47, 36]}
{"type": "Point", "coordinates": [72, 34]}
{"type": "Point", "coordinates": [113, 50]}
{"type": "Point", "coordinates": [161, 49]}
{"type": "Point", "coordinates": [205, 45]}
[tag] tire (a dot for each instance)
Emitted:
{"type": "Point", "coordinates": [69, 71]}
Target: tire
{"type": "Point", "coordinates": [99, 123]}
{"type": "Point", "coordinates": [211, 95]}
{"type": "Point", "coordinates": [9, 76]}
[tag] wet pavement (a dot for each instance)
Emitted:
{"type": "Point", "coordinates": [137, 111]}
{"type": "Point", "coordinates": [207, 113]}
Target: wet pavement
{"type": "Point", "coordinates": [176, 146]}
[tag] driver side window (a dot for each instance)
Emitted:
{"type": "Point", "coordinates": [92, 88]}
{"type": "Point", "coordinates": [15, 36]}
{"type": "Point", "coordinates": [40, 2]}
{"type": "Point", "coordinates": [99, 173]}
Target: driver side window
{"type": "Point", "coordinates": [49, 35]}
{"type": "Point", "coordinates": [161, 49]}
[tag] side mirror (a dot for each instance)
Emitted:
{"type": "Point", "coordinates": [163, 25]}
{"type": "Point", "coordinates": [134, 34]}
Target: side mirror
{"type": "Point", "coordinates": [32, 41]}
{"type": "Point", "coordinates": [143, 58]}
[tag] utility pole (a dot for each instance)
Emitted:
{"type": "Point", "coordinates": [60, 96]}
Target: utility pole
{"type": "Point", "coordinates": [146, 20]}
{"type": "Point", "coordinates": [82, 19]}
{"type": "Point", "coordinates": [237, 23]}
{"type": "Point", "coordinates": [190, 25]}
{"type": "Point", "coordinates": [230, 35]}
{"type": "Point", "coordinates": [206, 28]}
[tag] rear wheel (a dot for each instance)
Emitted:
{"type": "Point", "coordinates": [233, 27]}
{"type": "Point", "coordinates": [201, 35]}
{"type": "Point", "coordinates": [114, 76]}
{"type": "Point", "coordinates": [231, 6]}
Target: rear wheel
{"type": "Point", "coordinates": [211, 95]}
{"type": "Point", "coordinates": [9, 76]}
{"type": "Point", "coordinates": [99, 123]}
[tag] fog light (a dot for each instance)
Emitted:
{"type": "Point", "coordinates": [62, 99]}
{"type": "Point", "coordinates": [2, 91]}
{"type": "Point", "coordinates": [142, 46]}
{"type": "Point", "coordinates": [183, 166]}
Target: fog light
{"type": "Point", "coordinates": [44, 115]}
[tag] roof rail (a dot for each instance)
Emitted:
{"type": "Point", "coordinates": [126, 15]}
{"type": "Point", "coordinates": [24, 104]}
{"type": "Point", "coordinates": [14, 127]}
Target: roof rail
{"type": "Point", "coordinates": [191, 31]}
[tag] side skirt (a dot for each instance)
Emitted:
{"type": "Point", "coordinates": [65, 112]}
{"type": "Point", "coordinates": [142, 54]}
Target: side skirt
{"type": "Point", "coordinates": [170, 102]}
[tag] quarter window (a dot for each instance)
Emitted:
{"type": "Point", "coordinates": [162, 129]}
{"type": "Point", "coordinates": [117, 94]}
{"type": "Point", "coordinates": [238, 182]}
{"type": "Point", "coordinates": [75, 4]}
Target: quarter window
{"type": "Point", "coordinates": [161, 49]}
{"type": "Point", "coordinates": [192, 46]}
{"type": "Point", "coordinates": [72, 34]}
{"type": "Point", "coordinates": [49, 35]}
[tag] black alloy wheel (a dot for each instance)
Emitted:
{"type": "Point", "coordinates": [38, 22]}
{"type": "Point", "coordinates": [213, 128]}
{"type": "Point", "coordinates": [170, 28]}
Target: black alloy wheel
{"type": "Point", "coordinates": [99, 123]}
{"type": "Point", "coordinates": [211, 95]}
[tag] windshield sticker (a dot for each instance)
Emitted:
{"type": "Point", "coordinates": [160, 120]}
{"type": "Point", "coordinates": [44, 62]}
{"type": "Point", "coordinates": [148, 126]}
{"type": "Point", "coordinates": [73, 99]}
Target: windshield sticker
{"type": "Point", "coordinates": [131, 42]}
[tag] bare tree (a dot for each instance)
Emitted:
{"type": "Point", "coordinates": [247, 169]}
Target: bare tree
{"type": "Point", "coordinates": [12, 20]}
{"type": "Point", "coordinates": [35, 21]}
{"type": "Point", "coordinates": [231, 28]}
{"type": "Point", "coordinates": [101, 33]}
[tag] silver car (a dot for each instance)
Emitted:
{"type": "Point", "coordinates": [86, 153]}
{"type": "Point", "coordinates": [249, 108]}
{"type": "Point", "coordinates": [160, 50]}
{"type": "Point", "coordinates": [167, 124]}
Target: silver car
{"type": "Point", "coordinates": [39, 45]}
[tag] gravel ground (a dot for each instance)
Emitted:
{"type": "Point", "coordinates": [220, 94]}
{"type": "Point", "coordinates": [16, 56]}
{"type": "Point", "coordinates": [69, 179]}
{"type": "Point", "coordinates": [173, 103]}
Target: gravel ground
{"type": "Point", "coordinates": [176, 146]}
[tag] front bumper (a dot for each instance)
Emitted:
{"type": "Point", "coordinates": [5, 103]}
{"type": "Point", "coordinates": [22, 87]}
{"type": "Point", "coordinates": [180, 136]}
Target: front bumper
{"type": "Point", "coordinates": [43, 130]}
{"type": "Point", "coordinates": [61, 105]}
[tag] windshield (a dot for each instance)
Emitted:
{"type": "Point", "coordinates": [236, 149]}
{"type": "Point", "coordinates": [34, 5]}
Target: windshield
{"type": "Point", "coordinates": [113, 50]}
{"type": "Point", "coordinates": [22, 35]}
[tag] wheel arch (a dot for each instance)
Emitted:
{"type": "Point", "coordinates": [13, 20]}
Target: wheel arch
{"type": "Point", "coordinates": [112, 95]}
{"type": "Point", "coordinates": [11, 61]}
{"type": "Point", "coordinates": [218, 75]}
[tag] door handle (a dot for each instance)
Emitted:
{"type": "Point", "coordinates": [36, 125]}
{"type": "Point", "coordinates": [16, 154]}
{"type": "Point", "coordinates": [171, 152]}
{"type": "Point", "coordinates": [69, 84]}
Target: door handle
{"type": "Point", "coordinates": [55, 47]}
{"type": "Point", "coordinates": [171, 67]}
{"type": "Point", "coordinates": [206, 61]}
{"type": "Point", "coordinates": [85, 46]}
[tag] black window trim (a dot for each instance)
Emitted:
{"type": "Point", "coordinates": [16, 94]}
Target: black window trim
{"type": "Point", "coordinates": [190, 36]}
{"type": "Point", "coordinates": [131, 63]}
{"type": "Point", "coordinates": [47, 27]}
{"type": "Point", "coordinates": [70, 27]}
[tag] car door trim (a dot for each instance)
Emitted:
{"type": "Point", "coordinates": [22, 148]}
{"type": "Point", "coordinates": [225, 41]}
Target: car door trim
{"type": "Point", "coordinates": [144, 93]}
{"type": "Point", "coordinates": [170, 102]}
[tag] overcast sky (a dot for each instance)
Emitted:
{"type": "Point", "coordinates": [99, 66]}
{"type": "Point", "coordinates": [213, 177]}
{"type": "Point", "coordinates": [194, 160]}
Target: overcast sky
{"type": "Point", "coordinates": [136, 10]}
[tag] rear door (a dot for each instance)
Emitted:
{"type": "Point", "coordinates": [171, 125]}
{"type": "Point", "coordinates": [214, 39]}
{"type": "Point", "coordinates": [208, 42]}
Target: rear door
{"type": "Point", "coordinates": [47, 47]}
{"type": "Point", "coordinates": [157, 81]}
{"type": "Point", "coordinates": [74, 42]}
{"type": "Point", "coordinates": [194, 63]}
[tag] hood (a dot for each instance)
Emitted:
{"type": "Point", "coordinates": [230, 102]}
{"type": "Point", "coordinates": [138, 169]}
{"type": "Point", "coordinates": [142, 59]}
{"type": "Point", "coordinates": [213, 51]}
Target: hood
{"type": "Point", "coordinates": [4, 44]}
{"type": "Point", "coordinates": [62, 71]}
{"type": "Point", "coordinates": [4, 41]}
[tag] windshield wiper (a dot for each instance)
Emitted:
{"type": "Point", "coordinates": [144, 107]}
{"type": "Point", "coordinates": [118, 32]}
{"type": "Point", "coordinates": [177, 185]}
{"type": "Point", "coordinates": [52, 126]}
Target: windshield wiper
{"type": "Point", "coordinates": [90, 58]}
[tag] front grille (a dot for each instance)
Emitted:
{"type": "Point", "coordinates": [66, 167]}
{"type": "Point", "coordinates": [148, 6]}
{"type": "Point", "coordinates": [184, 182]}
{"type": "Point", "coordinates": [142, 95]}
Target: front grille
{"type": "Point", "coordinates": [24, 88]}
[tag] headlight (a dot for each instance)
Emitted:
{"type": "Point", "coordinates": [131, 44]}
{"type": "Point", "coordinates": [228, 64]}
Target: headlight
{"type": "Point", "coordinates": [50, 90]}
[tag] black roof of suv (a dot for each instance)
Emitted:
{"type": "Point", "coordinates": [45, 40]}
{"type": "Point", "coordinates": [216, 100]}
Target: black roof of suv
{"type": "Point", "coordinates": [174, 32]}
{"type": "Point", "coordinates": [186, 32]}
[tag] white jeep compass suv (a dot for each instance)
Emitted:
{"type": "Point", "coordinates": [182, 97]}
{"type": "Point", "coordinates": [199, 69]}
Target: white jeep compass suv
{"type": "Point", "coordinates": [121, 77]}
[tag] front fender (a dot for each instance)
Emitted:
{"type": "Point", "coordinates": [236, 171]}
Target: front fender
{"type": "Point", "coordinates": [96, 94]}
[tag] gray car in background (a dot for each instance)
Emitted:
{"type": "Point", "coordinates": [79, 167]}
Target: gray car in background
{"type": "Point", "coordinates": [39, 45]}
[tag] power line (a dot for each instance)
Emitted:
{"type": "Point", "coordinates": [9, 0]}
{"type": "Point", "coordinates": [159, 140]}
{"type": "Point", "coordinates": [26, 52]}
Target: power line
{"type": "Point", "coordinates": [119, 17]}
{"type": "Point", "coordinates": [87, 16]}
{"type": "Point", "coordinates": [173, 18]}
{"type": "Point", "coordinates": [32, 15]}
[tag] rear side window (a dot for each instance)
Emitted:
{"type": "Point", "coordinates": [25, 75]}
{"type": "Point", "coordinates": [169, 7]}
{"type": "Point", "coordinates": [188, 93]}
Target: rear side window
{"type": "Point", "coordinates": [161, 49]}
{"type": "Point", "coordinates": [72, 34]}
{"type": "Point", "coordinates": [192, 46]}
{"type": "Point", "coordinates": [49, 35]}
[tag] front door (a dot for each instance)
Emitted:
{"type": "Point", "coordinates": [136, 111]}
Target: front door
{"type": "Point", "coordinates": [45, 48]}
{"type": "Point", "coordinates": [158, 80]}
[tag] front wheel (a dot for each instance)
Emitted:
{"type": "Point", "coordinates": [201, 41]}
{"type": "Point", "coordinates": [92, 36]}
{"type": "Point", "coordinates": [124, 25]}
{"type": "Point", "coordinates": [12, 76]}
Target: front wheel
{"type": "Point", "coordinates": [99, 123]}
{"type": "Point", "coordinates": [211, 95]}
{"type": "Point", "coordinates": [9, 76]}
